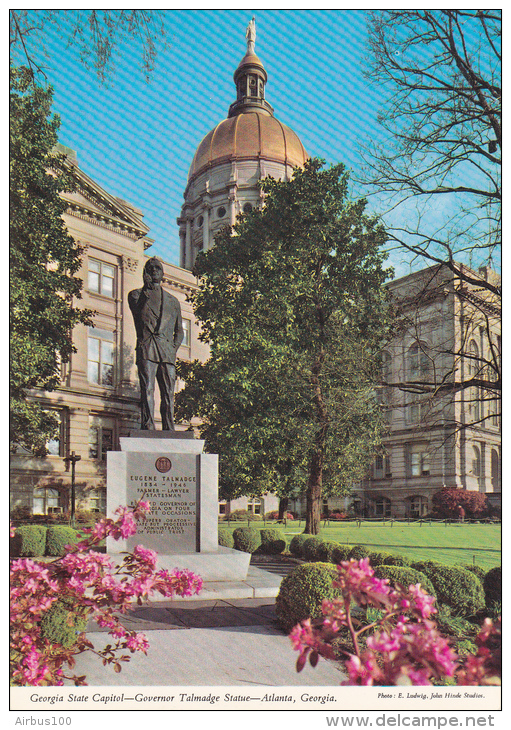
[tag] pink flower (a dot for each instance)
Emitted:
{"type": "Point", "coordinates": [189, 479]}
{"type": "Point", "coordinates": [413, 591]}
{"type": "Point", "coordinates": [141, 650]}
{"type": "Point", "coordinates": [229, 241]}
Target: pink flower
{"type": "Point", "coordinates": [145, 555]}
{"type": "Point", "coordinates": [137, 642]}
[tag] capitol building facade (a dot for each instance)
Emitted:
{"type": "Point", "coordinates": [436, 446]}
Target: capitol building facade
{"type": "Point", "coordinates": [97, 400]}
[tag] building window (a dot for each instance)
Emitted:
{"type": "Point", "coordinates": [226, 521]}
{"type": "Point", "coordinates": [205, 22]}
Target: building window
{"type": "Point", "coordinates": [97, 500]}
{"type": "Point", "coordinates": [495, 470]}
{"type": "Point", "coordinates": [418, 362]}
{"type": "Point", "coordinates": [46, 501]}
{"type": "Point", "coordinates": [388, 467]}
{"type": "Point", "coordinates": [100, 365]}
{"type": "Point", "coordinates": [378, 467]}
{"type": "Point", "coordinates": [222, 508]}
{"type": "Point", "coordinates": [200, 221]}
{"type": "Point", "coordinates": [247, 208]}
{"type": "Point", "coordinates": [382, 507]}
{"type": "Point", "coordinates": [419, 460]}
{"type": "Point", "coordinates": [474, 397]}
{"type": "Point", "coordinates": [56, 445]}
{"type": "Point", "coordinates": [187, 328]}
{"type": "Point", "coordinates": [476, 462]}
{"type": "Point", "coordinates": [101, 278]}
{"type": "Point", "coordinates": [221, 211]}
{"type": "Point", "coordinates": [418, 506]}
{"type": "Point", "coordinates": [254, 506]}
{"type": "Point", "coordinates": [101, 437]}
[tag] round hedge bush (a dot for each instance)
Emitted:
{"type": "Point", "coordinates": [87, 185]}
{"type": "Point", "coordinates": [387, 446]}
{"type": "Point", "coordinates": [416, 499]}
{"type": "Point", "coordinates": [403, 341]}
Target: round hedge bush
{"type": "Point", "coordinates": [225, 538]}
{"type": "Point", "coordinates": [31, 540]}
{"type": "Point", "coordinates": [273, 541]}
{"type": "Point", "coordinates": [405, 576]}
{"type": "Point", "coordinates": [476, 570]}
{"type": "Point", "coordinates": [358, 552]}
{"type": "Point", "coordinates": [456, 587]}
{"type": "Point", "coordinates": [57, 537]}
{"type": "Point", "coordinates": [378, 558]}
{"type": "Point", "coordinates": [55, 624]}
{"type": "Point", "coordinates": [492, 585]}
{"type": "Point", "coordinates": [246, 539]}
{"type": "Point", "coordinates": [398, 560]}
{"type": "Point", "coordinates": [296, 545]}
{"type": "Point", "coordinates": [313, 550]}
{"type": "Point", "coordinates": [302, 592]}
{"type": "Point", "coordinates": [337, 552]}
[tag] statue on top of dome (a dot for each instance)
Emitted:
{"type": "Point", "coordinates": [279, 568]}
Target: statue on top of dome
{"type": "Point", "coordinates": [250, 35]}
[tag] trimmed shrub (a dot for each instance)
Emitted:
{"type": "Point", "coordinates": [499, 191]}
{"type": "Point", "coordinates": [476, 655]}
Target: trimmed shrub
{"type": "Point", "coordinates": [492, 585]}
{"type": "Point", "coordinates": [274, 515]}
{"type": "Point", "coordinates": [398, 560]}
{"type": "Point", "coordinates": [239, 515]}
{"type": "Point", "coordinates": [302, 593]}
{"type": "Point", "coordinates": [476, 570]}
{"type": "Point", "coordinates": [57, 537]}
{"type": "Point", "coordinates": [378, 558]}
{"type": "Point", "coordinates": [32, 540]}
{"type": "Point", "coordinates": [456, 587]}
{"type": "Point", "coordinates": [273, 541]}
{"type": "Point", "coordinates": [358, 552]}
{"type": "Point", "coordinates": [60, 625]}
{"type": "Point", "coordinates": [225, 538]}
{"type": "Point", "coordinates": [337, 552]}
{"type": "Point", "coordinates": [296, 545]}
{"type": "Point", "coordinates": [314, 549]}
{"type": "Point", "coordinates": [246, 539]}
{"type": "Point", "coordinates": [405, 576]}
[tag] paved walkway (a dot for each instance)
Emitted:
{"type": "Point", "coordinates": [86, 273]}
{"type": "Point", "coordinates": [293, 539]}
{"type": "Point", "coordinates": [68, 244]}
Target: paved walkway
{"type": "Point", "coordinates": [212, 640]}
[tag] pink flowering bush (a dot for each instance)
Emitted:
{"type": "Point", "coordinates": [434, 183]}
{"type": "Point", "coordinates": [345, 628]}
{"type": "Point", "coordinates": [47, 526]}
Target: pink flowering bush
{"type": "Point", "coordinates": [402, 646]}
{"type": "Point", "coordinates": [92, 587]}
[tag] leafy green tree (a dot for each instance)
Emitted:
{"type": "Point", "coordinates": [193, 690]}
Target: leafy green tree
{"type": "Point", "coordinates": [292, 303]}
{"type": "Point", "coordinates": [43, 261]}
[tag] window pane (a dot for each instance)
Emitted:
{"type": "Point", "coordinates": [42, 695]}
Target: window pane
{"type": "Point", "coordinates": [93, 281]}
{"type": "Point", "coordinates": [93, 372]}
{"type": "Point", "coordinates": [93, 349]}
{"type": "Point", "coordinates": [94, 265]}
{"type": "Point", "coordinates": [53, 447]}
{"type": "Point", "coordinates": [107, 283]}
{"type": "Point", "coordinates": [107, 374]}
{"type": "Point", "coordinates": [93, 442]}
{"type": "Point", "coordinates": [107, 352]}
{"type": "Point", "coordinates": [107, 440]}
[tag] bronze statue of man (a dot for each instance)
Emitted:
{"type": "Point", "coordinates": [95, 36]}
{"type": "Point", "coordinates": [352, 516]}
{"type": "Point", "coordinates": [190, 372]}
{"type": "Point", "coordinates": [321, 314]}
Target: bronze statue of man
{"type": "Point", "coordinates": [159, 327]}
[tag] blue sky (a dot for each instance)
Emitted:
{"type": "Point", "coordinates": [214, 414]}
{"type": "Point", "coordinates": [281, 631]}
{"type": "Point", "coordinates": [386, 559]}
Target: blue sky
{"type": "Point", "coordinates": [137, 139]}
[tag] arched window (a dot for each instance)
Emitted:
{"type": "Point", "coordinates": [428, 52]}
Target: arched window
{"type": "Point", "coordinates": [247, 208]}
{"type": "Point", "coordinates": [495, 470]}
{"type": "Point", "coordinates": [476, 463]}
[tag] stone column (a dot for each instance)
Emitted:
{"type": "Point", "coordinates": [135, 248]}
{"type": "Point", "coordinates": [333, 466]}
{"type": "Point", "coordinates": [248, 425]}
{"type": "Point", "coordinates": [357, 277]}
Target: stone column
{"type": "Point", "coordinates": [205, 229]}
{"type": "Point", "coordinates": [188, 244]}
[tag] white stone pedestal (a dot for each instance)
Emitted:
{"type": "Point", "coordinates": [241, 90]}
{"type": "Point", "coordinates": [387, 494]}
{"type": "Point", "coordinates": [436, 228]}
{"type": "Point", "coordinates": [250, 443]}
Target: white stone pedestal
{"type": "Point", "coordinates": [181, 484]}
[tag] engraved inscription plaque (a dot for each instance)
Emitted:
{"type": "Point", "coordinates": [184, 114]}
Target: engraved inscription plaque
{"type": "Point", "coordinates": [171, 486]}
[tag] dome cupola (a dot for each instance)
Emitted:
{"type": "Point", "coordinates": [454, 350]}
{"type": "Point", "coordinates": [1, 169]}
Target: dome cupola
{"type": "Point", "coordinates": [251, 144]}
{"type": "Point", "coordinates": [250, 78]}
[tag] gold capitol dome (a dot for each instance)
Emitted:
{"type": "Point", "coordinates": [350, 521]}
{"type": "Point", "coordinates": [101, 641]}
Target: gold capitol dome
{"type": "Point", "coordinates": [251, 129]}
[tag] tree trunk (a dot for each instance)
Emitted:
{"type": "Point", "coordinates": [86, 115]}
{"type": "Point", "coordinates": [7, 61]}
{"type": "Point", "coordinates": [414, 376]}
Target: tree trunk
{"type": "Point", "coordinates": [283, 503]}
{"type": "Point", "coordinates": [314, 490]}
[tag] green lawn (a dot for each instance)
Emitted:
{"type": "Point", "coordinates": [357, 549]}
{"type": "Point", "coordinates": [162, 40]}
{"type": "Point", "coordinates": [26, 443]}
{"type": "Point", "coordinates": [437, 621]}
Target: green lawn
{"type": "Point", "coordinates": [453, 544]}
